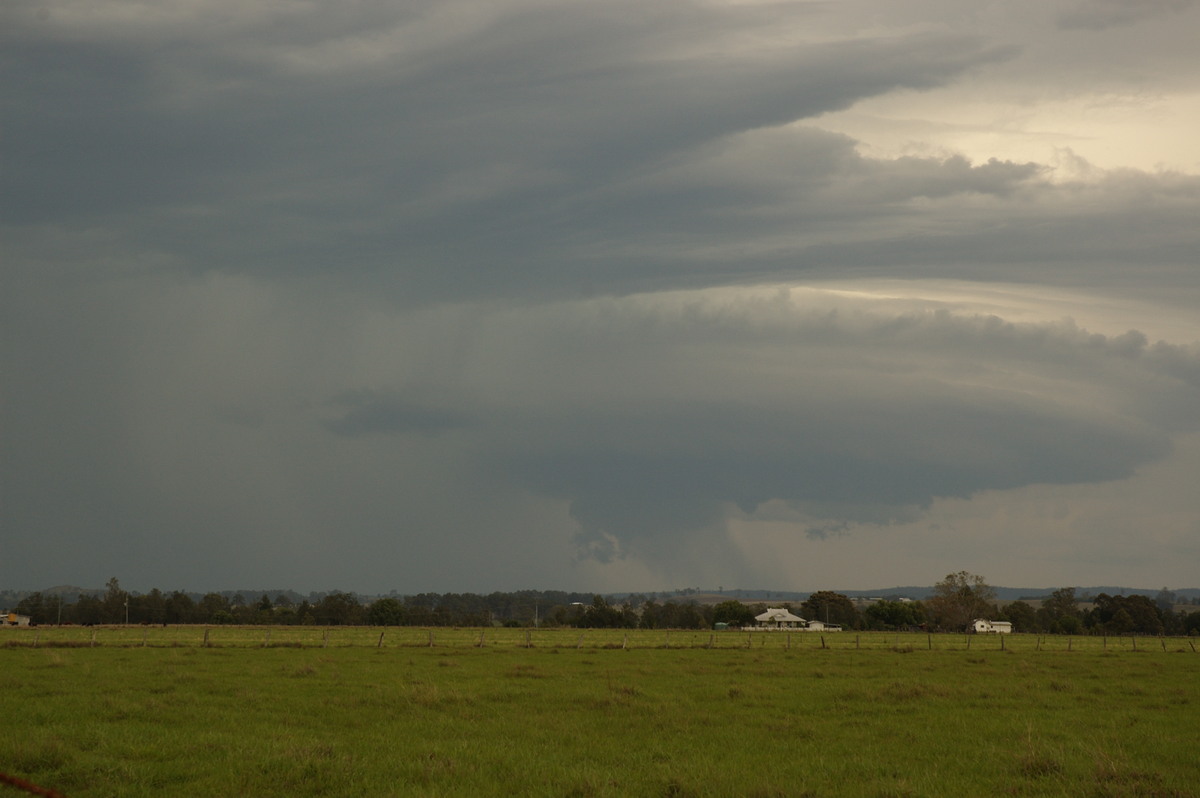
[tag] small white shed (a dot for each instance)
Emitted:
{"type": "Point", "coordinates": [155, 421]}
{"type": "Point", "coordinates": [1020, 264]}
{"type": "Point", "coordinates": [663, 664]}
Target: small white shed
{"type": "Point", "coordinates": [980, 626]}
{"type": "Point", "coordinates": [821, 626]}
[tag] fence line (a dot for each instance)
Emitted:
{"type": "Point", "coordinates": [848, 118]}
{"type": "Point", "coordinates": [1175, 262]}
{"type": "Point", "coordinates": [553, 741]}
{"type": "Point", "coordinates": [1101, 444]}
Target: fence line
{"type": "Point", "coordinates": [184, 636]}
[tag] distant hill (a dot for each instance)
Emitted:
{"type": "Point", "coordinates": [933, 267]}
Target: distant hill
{"type": "Point", "coordinates": [915, 592]}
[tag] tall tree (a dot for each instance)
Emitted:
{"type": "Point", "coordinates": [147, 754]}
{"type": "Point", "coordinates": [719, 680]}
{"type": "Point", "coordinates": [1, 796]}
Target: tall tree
{"type": "Point", "coordinates": [830, 607]}
{"type": "Point", "coordinates": [1022, 616]}
{"type": "Point", "coordinates": [339, 609]}
{"type": "Point", "coordinates": [386, 611]}
{"type": "Point", "coordinates": [116, 602]}
{"type": "Point", "coordinates": [961, 598]}
{"type": "Point", "coordinates": [33, 605]}
{"type": "Point", "coordinates": [1062, 604]}
{"type": "Point", "coordinates": [179, 608]}
{"type": "Point", "coordinates": [895, 614]}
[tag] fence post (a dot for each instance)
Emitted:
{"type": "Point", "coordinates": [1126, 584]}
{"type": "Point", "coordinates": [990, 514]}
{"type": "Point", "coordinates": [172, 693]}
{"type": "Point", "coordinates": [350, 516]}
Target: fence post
{"type": "Point", "coordinates": [668, 643]}
{"type": "Point", "coordinates": [1068, 644]}
{"type": "Point", "coordinates": [380, 643]}
{"type": "Point", "coordinates": [1163, 640]}
{"type": "Point", "coordinates": [325, 640]}
{"type": "Point", "coordinates": [789, 641]}
{"type": "Point", "coordinates": [528, 639]}
{"type": "Point", "coordinates": [267, 639]}
{"type": "Point", "coordinates": [480, 643]}
{"type": "Point", "coordinates": [930, 641]}
{"type": "Point", "coordinates": [144, 633]}
{"type": "Point", "coordinates": [579, 643]}
{"type": "Point", "coordinates": [1134, 641]}
{"type": "Point", "coordinates": [431, 638]}
{"type": "Point", "coordinates": [625, 642]}
{"type": "Point", "coordinates": [968, 642]}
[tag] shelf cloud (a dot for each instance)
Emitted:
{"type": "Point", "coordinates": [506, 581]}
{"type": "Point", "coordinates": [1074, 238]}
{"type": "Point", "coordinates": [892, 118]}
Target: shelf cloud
{"type": "Point", "coordinates": [473, 296]}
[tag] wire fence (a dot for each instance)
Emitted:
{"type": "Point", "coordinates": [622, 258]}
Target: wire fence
{"type": "Point", "coordinates": [464, 637]}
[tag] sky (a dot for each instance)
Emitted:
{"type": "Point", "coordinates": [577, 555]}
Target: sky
{"type": "Point", "coordinates": [476, 295]}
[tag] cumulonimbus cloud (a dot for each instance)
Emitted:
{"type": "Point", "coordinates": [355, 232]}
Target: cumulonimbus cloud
{"type": "Point", "coordinates": [653, 414]}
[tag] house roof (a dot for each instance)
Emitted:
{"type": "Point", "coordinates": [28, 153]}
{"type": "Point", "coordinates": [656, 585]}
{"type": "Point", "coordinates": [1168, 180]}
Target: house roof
{"type": "Point", "coordinates": [778, 615]}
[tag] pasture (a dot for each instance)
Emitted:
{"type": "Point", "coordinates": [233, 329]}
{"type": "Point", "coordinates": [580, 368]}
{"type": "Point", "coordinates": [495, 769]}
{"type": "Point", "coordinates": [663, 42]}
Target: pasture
{"type": "Point", "coordinates": [305, 711]}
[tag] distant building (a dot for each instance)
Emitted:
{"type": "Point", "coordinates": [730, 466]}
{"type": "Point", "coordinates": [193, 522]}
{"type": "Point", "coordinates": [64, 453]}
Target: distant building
{"type": "Point", "coordinates": [821, 626]}
{"type": "Point", "coordinates": [12, 619]}
{"type": "Point", "coordinates": [779, 618]}
{"type": "Point", "coordinates": [980, 626]}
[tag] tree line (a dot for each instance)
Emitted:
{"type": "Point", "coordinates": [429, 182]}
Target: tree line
{"type": "Point", "coordinates": [957, 600]}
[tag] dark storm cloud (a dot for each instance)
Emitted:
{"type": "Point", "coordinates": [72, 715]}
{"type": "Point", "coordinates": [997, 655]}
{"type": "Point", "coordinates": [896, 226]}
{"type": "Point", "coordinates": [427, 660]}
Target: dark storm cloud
{"type": "Point", "coordinates": [477, 166]}
{"type": "Point", "coordinates": [287, 281]}
{"type": "Point", "coordinates": [867, 417]}
{"type": "Point", "coordinates": [365, 414]}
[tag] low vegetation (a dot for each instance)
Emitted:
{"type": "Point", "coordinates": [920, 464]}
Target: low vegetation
{"type": "Point", "coordinates": [340, 711]}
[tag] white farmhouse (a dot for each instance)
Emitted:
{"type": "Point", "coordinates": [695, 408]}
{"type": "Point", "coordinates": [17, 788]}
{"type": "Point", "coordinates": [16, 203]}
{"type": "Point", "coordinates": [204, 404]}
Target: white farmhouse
{"type": "Point", "coordinates": [980, 626]}
{"type": "Point", "coordinates": [779, 618]}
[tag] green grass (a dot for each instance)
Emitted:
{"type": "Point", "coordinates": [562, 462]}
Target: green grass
{"type": "Point", "coordinates": [588, 718]}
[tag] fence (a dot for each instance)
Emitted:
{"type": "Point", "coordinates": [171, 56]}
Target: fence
{"type": "Point", "coordinates": [405, 636]}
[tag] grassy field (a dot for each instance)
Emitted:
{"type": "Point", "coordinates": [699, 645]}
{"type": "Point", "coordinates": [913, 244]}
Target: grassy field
{"type": "Point", "coordinates": [155, 712]}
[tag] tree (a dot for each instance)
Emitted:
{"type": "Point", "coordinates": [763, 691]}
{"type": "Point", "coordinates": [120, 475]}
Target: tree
{"type": "Point", "coordinates": [830, 607]}
{"type": "Point", "coordinates": [1165, 600]}
{"type": "Point", "coordinates": [651, 615]}
{"type": "Point", "coordinates": [895, 615]}
{"type": "Point", "coordinates": [1022, 616]}
{"type": "Point", "coordinates": [734, 613]}
{"type": "Point", "coordinates": [33, 605]}
{"type": "Point", "coordinates": [602, 615]}
{"type": "Point", "coordinates": [87, 610]}
{"type": "Point", "coordinates": [961, 598]}
{"type": "Point", "coordinates": [681, 616]}
{"type": "Point", "coordinates": [386, 612]}
{"type": "Point", "coordinates": [1062, 604]}
{"type": "Point", "coordinates": [116, 602]}
{"type": "Point", "coordinates": [150, 608]}
{"type": "Point", "coordinates": [214, 608]}
{"type": "Point", "coordinates": [179, 608]}
{"type": "Point", "coordinates": [339, 609]}
{"type": "Point", "coordinates": [1126, 614]}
